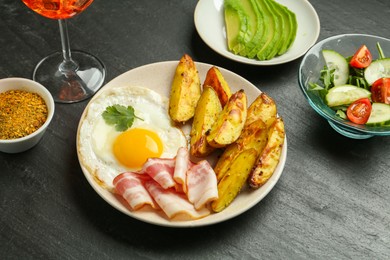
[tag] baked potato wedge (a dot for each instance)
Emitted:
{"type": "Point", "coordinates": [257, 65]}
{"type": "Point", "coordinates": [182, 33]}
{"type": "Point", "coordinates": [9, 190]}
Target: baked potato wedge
{"type": "Point", "coordinates": [254, 135]}
{"type": "Point", "coordinates": [269, 158]}
{"type": "Point", "coordinates": [264, 108]}
{"type": "Point", "coordinates": [206, 113]}
{"type": "Point", "coordinates": [235, 178]}
{"type": "Point", "coordinates": [230, 121]}
{"type": "Point", "coordinates": [215, 79]}
{"type": "Point", "coordinates": [185, 90]}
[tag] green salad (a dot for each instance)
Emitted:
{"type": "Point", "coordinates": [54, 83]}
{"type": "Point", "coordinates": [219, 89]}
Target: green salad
{"type": "Point", "coordinates": [357, 88]}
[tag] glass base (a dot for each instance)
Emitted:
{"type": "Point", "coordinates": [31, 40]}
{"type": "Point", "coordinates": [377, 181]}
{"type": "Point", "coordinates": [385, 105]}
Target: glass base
{"type": "Point", "coordinates": [69, 84]}
{"type": "Point", "coordinates": [348, 132]}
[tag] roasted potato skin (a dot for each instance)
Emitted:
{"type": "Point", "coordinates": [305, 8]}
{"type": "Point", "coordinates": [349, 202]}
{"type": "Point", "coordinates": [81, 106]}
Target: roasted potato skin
{"type": "Point", "coordinates": [206, 113]}
{"type": "Point", "coordinates": [230, 122]}
{"type": "Point", "coordinates": [233, 181]}
{"type": "Point", "coordinates": [185, 90]}
{"type": "Point", "coordinates": [261, 125]}
{"type": "Point", "coordinates": [215, 79]}
{"type": "Point", "coordinates": [254, 135]}
{"type": "Point", "coordinates": [270, 156]}
{"type": "Point", "coordinates": [264, 108]}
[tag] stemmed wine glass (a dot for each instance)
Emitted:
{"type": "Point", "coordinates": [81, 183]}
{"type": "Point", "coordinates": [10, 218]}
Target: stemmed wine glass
{"type": "Point", "coordinates": [69, 76]}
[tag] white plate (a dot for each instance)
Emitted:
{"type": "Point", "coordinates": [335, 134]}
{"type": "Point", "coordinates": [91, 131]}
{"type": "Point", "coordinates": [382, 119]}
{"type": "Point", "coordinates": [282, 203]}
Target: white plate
{"type": "Point", "coordinates": [158, 77]}
{"type": "Point", "coordinates": [209, 22]}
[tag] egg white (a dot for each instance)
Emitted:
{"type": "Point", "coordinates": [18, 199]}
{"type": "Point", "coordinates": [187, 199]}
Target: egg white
{"type": "Point", "coordinates": [95, 137]}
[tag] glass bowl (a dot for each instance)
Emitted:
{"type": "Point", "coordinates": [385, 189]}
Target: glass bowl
{"type": "Point", "coordinates": [309, 72]}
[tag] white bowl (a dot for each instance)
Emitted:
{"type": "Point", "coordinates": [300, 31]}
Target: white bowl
{"type": "Point", "coordinates": [24, 143]}
{"type": "Point", "coordinates": [209, 22]}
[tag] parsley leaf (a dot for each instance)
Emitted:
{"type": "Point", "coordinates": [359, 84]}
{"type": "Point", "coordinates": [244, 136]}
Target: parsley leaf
{"type": "Point", "coordinates": [120, 116]}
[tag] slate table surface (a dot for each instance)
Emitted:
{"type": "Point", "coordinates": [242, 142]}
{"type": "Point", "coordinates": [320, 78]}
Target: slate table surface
{"type": "Point", "coordinates": [331, 202]}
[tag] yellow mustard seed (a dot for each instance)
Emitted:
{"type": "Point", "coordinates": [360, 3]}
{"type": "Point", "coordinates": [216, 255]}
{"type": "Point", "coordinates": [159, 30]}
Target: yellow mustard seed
{"type": "Point", "coordinates": [21, 113]}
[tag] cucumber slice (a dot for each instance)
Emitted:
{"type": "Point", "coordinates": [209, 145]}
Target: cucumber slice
{"type": "Point", "coordinates": [345, 95]}
{"type": "Point", "coordinates": [376, 70]}
{"type": "Point", "coordinates": [336, 61]}
{"type": "Point", "coordinates": [380, 115]}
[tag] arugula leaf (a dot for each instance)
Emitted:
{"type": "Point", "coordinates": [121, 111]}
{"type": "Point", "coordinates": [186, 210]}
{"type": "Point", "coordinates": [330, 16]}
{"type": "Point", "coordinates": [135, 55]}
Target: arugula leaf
{"type": "Point", "coordinates": [327, 77]}
{"type": "Point", "coordinates": [356, 78]}
{"type": "Point", "coordinates": [358, 82]}
{"type": "Point", "coordinates": [321, 91]}
{"type": "Point", "coordinates": [315, 86]}
{"type": "Point", "coordinates": [120, 116]}
{"type": "Point", "coordinates": [341, 114]}
{"type": "Point", "coordinates": [380, 51]}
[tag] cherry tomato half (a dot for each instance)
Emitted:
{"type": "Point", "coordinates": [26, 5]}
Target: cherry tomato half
{"type": "Point", "coordinates": [359, 111]}
{"type": "Point", "coordinates": [380, 91]}
{"type": "Point", "coordinates": [362, 58]}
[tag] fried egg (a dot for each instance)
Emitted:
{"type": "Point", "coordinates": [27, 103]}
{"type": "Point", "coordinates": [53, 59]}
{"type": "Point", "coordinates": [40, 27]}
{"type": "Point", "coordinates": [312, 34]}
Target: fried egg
{"type": "Point", "coordinates": [106, 152]}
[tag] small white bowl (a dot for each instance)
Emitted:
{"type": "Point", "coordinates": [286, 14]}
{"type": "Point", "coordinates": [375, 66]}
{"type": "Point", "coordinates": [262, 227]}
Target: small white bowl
{"type": "Point", "coordinates": [24, 143]}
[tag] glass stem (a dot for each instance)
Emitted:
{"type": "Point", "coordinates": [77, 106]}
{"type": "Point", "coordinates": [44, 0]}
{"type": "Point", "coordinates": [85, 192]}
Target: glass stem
{"type": "Point", "coordinates": [67, 65]}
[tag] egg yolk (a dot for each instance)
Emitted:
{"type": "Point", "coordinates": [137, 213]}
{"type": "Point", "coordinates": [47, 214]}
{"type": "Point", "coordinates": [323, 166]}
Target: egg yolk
{"type": "Point", "coordinates": [133, 147]}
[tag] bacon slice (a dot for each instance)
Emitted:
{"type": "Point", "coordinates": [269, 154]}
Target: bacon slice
{"type": "Point", "coordinates": [130, 186]}
{"type": "Point", "coordinates": [178, 186]}
{"type": "Point", "coordinates": [201, 184]}
{"type": "Point", "coordinates": [181, 167]}
{"type": "Point", "coordinates": [161, 170]}
{"type": "Point", "coordinates": [174, 203]}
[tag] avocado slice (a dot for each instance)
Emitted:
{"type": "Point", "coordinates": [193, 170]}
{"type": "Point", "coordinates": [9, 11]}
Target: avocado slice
{"type": "Point", "coordinates": [293, 29]}
{"type": "Point", "coordinates": [257, 25]}
{"type": "Point", "coordinates": [269, 31]}
{"type": "Point", "coordinates": [280, 27]}
{"type": "Point", "coordinates": [237, 25]}
{"type": "Point", "coordinates": [259, 29]}
{"type": "Point", "coordinates": [287, 28]}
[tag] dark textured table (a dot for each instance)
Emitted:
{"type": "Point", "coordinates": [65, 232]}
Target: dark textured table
{"type": "Point", "coordinates": [332, 200]}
